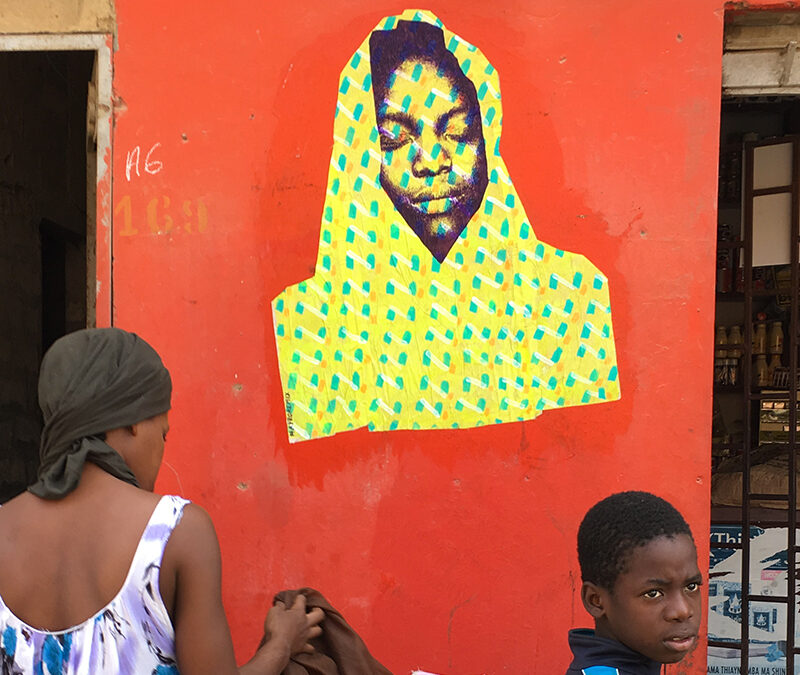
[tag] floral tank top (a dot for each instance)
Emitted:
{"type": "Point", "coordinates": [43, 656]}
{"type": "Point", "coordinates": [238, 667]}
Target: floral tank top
{"type": "Point", "coordinates": [132, 634]}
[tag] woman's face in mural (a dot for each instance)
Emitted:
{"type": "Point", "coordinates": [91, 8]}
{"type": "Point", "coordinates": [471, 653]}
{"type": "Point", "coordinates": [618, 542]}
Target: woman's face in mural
{"type": "Point", "coordinates": [434, 157]}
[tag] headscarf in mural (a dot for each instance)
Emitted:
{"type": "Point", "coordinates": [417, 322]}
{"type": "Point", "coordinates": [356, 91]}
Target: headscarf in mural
{"type": "Point", "coordinates": [433, 305]}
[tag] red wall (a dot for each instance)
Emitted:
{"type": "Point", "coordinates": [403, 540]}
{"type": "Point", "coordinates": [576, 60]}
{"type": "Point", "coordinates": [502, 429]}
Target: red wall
{"type": "Point", "coordinates": [452, 551]}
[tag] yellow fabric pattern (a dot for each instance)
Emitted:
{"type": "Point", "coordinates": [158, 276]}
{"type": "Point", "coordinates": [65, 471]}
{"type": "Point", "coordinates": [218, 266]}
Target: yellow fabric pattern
{"type": "Point", "coordinates": [385, 336]}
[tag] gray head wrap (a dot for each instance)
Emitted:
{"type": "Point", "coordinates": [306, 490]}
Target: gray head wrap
{"type": "Point", "coordinates": [92, 381]}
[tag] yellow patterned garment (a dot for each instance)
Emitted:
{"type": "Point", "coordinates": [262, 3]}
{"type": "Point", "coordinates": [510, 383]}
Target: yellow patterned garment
{"type": "Point", "coordinates": [386, 336]}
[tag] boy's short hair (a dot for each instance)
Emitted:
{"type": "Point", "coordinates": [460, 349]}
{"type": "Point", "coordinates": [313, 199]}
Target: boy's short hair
{"type": "Point", "coordinates": [616, 525]}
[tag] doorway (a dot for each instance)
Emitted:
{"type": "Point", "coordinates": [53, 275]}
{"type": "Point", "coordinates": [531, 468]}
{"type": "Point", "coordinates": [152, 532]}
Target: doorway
{"type": "Point", "coordinates": [753, 573]}
{"type": "Point", "coordinates": [48, 232]}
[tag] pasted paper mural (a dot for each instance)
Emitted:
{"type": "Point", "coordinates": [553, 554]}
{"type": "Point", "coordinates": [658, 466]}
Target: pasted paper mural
{"type": "Point", "coordinates": [433, 304]}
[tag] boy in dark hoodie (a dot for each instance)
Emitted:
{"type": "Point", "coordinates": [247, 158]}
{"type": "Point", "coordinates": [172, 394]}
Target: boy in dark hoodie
{"type": "Point", "coordinates": [641, 584]}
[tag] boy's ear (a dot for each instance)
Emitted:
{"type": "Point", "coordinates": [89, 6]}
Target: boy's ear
{"type": "Point", "coordinates": [593, 597]}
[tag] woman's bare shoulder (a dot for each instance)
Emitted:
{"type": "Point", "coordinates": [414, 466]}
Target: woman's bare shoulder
{"type": "Point", "coordinates": [192, 544]}
{"type": "Point", "coordinates": [100, 507]}
{"type": "Point", "coordinates": [194, 532]}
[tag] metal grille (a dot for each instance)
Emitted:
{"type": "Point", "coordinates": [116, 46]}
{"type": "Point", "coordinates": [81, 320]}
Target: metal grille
{"type": "Point", "coordinates": [752, 397]}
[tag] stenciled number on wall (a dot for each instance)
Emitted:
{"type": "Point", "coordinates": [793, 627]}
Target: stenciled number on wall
{"type": "Point", "coordinates": [162, 214]}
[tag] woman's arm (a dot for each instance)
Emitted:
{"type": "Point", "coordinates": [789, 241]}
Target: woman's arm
{"type": "Point", "coordinates": [289, 630]}
{"type": "Point", "coordinates": [202, 636]}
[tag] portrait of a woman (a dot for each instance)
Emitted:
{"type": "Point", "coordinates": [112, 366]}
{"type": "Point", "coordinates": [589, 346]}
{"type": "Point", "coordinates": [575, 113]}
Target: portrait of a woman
{"type": "Point", "coordinates": [434, 156]}
{"type": "Point", "coordinates": [433, 304]}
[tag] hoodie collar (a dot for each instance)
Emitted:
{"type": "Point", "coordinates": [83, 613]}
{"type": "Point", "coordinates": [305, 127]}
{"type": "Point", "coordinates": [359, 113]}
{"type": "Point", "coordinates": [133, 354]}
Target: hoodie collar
{"type": "Point", "coordinates": [589, 649]}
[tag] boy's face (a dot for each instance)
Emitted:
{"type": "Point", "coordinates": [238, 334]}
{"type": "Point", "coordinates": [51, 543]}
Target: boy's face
{"type": "Point", "coordinates": [655, 606]}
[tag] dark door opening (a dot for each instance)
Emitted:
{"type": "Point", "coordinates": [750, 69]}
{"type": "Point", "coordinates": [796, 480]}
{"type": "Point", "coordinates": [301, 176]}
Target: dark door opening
{"type": "Point", "coordinates": [754, 451]}
{"type": "Point", "coordinates": [43, 234]}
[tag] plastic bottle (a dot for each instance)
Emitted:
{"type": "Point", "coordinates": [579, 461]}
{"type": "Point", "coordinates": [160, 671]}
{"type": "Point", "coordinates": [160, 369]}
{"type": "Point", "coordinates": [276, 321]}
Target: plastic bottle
{"type": "Point", "coordinates": [732, 371]}
{"type": "Point", "coordinates": [775, 339]}
{"type": "Point", "coordinates": [735, 349]}
{"type": "Point", "coordinates": [720, 371]}
{"type": "Point", "coordinates": [721, 342]}
{"type": "Point", "coordinates": [774, 362]}
{"type": "Point", "coordinates": [761, 371]}
{"type": "Point", "coordinates": [760, 338]}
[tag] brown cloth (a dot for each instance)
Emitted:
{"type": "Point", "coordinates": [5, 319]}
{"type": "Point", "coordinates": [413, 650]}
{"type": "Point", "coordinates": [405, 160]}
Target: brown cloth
{"type": "Point", "coordinates": [338, 651]}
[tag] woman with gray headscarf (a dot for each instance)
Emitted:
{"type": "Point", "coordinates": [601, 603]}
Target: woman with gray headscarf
{"type": "Point", "coordinates": [97, 573]}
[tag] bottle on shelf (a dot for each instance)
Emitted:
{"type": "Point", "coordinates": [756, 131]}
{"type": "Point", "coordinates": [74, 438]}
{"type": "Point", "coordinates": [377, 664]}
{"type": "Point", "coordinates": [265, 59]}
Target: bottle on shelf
{"type": "Point", "coordinates": [760, 338]}
{"type": "Point", "coordinates": [761, 371]}
{"type": "Point", "coordinates": [732, 371]}
{"type": "Point", "coordinates": [735, 336]}
{"type": "Point", "coordinates": [720, 370]}
{"type": "Point", "coordinates": [774, 362]}
{"type": "Point", "coordinates": [735, 344]}
{"type": "Point", "coordinates": [775, 339]}
{"type": "Point", "coordinates": [721, 356]}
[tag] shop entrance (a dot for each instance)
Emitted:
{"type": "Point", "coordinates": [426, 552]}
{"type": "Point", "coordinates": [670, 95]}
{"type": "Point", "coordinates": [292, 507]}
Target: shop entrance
{"type": "Point", "coordinates": [47, 229]}
{"type": "Point", "coordinates": [753, 600]}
